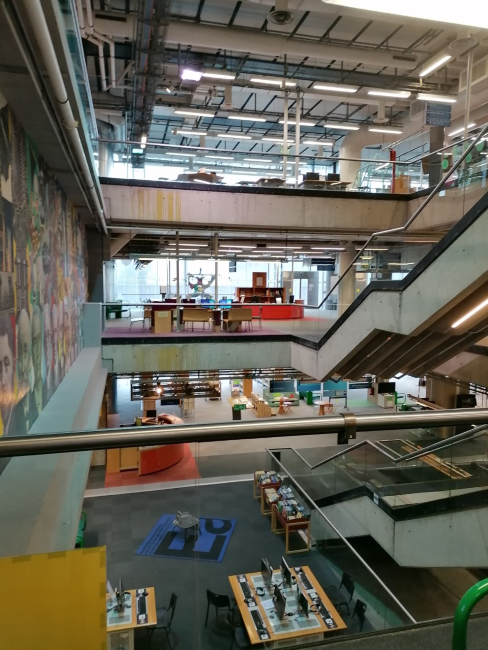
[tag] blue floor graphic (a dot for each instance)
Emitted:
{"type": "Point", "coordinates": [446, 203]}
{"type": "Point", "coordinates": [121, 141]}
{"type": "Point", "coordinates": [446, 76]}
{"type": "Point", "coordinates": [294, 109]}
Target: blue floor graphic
{"type": "Point", "coordinates": [209, 545]}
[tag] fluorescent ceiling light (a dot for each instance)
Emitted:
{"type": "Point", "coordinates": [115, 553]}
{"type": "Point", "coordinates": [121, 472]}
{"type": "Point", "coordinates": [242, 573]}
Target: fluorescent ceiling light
{"type": "Point", "coordinates": [401, 94]}
{"type": "Point", "coordinates": [235, 246]}
{"type": "Point", "coordinates": [189, 74]}
{"type": "Point", "coordinates": [220, 157]}
{"type": "Point", "coordinates": [340, 126]}
{"type": "Point", "coordinates": [190, 132]}
{"type": "Point", "coordinates": [305, 122]}
{"type": "Point", "coordinates": [335, 88]}
{"type": "Point", "coordinates": [438, 63]}
{"type": "Point", "coordinates": [401, 263]}
{"type": "Point", "coordinates": [319, 143]}
{"type": "Point", "coordinates": [143, 138]}
{"type": "Point", "coordinates": [247, 118]}
{"type": "Point", "coordinates": [258, 160]}
{"type": "Point", "coordinates": [326, 248]}
{"type": "Point", "coordinates": [137, 151]}
{"type": "Point", "coordinates": [219, 74]}
{"type": "Point", "coordinates": [234, 136]}
{"type": "Point", "coordinates": [458, 131]}
{"type": "Point", "coordinates": [450, 12]}
{"type": "Point", "coordinates": [443, 99]}
{"type": "Point", "coordinates": [229, 251]}
{"type": "Point", "coordinates": [273, 81]}
{"type": "Point", "coordinates": [194, 113]}
{"type": "Point", "coordinates": [373, 249]}
{"type": "Point", "coordinates": [374, 129]}
{"type": "Point", "coordinates": [177, 153]}
{"type": "Point", "coordinates": [470, 313]}
{"type": "Point", "coordinates": [191, 245]}
{"type": "Point", "coordinates": [280, 140]}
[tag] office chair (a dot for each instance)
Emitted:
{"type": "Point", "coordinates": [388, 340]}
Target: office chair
{"type": "Point", "coordinates": [359, 609]}
{"type": "Point", "coordinates": [348, 583]}
{"type": "Point", "coordinates": [217, 601]}
{"type": "Point", "coordinates": [239, 635]}
{"type": "Point", "coordinates": [164, 618]}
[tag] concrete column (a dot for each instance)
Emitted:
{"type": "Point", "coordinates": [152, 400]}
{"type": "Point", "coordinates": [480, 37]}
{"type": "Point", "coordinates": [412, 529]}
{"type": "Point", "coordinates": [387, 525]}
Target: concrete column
{"type": "Point", "coordinates": [435, 161]}
{"type": "Point", "coordinates": [285, 135]}
{"type": "Point", "coordinates": [442, 393]}
{"type": "Point", "coordinates": [105, 159]}
{"type": "Point", "coordinates": [352, 146]}
{"type": "Point", "coordinates": [347, 287]}
{"type": "Point", "coordinates": [98, 247]}
{"type": "Point", "coordinates": [109, 294]}
{"type": "Point", "coordinates": [216, 253]}
{"type": "Point", "coordinates": [297, 136]}
{"type": "Point", "coordinates": [178, 267]}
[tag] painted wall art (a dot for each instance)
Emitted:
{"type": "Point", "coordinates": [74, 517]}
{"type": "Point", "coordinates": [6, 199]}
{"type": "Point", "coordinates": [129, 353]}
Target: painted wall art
{"type": "Point", "coordinates": [42, 280]}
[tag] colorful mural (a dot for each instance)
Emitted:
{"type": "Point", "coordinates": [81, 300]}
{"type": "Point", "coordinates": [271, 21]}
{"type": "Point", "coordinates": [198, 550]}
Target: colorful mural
{"type": "Point", "coordinates": [42, 280]}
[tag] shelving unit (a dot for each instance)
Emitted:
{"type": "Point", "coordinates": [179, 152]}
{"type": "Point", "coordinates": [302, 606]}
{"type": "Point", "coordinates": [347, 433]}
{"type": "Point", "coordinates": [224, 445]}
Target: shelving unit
{"type": "Point", "coordinates": [264, 294]}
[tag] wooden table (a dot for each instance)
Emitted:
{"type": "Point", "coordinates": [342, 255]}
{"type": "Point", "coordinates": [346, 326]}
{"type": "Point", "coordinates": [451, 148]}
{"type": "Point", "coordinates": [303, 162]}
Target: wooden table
{"type": "Point", "coordinates": [282, 631]}
{"type": "Point", "coordinates": [282, 526]}
{"type": "Point", "coordinates": [325, 407]}
{"type": "Point", "coordinates": [122, 634]}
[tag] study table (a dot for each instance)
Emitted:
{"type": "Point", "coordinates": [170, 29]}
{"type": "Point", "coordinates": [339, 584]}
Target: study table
{"type": "Point", "coordinates": [121, 626]}
{"type": "Point", "coordinates": [322, 619]}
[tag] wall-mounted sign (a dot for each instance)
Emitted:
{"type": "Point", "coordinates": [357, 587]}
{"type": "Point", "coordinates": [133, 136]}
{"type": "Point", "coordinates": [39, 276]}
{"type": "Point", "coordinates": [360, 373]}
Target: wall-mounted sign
{"type": "Point", "coordinates": [359, 384]}
{"type": "Point", "coordinates": [322, 260]}
{"type": "Point", "coordinates": [326, 267]}
{"type": "Point", "coordinates": [437, 114]}
{"type": "Point", "coordinates": [239, 407]}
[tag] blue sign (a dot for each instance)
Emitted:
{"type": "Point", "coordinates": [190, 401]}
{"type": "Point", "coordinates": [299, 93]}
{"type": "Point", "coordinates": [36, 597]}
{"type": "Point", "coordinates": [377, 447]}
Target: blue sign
{"type": "Point", "coordinates": [437, 114]}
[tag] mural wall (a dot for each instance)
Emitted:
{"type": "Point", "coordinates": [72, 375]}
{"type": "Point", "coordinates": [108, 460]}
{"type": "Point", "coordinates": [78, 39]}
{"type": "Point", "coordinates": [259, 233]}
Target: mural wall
{"type": "Point", "coordinates": [42, 280]}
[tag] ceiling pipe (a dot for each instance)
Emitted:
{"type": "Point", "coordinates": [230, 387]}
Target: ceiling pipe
{"type": "Point", "coordinates": [40, 29]}
{"type": "Point", "coordinates": [81, 16]}
{"type": "Point", "coordinates": [106, 39]}
{"type": "Point", "coordinates": [101, 59]}
{"type": "Point", "coordinates": [89, 16]}
{"type": "Point", "coordinates": [242, 40]}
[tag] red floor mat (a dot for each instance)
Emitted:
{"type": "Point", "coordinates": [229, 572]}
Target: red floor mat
{"type": "Point", "coordinates": [185, 470]}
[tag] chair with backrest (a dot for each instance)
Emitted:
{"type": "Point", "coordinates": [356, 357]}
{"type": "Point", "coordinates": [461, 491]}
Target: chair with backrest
{"type": "Point", "coordinates": [238, 315]}
{"type": "Point", "coordinates": [198, 315]}
{"type": "Point", "coordinates": [164, 618]}
{"type": "Point", "coordinates": [240, 637]}
{"type": "Point", "coordinates": [359, 610]}
{"type": "Point", "coordinates": [218, 601]}
{"type": "Point", "coordinates": [347, 582]}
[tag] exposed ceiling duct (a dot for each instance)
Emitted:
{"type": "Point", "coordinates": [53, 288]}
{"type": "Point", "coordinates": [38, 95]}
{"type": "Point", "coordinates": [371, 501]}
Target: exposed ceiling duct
{"type": "Point", "coordinates": [272, 45]}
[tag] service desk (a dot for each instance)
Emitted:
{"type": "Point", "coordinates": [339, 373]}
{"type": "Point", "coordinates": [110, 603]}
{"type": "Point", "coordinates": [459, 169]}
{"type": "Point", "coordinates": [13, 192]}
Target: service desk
{"type": "Point", "coordinates": [273, 311]}
{"type": "Point", "coordinates": [323, 618]}
{"type": "Point", "coordinates": [120, 627]}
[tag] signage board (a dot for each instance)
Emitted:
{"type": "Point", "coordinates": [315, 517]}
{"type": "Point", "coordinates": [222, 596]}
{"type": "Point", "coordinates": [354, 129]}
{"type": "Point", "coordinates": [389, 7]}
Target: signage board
{"type": "Point", "coordinates": [239, 407]}
{"type": "Point", "coordinates": [359, 384]}
{"type": "Point", "coordinates": [326, 267]}
{"type": "Point", "coordinates": [322, 260]}
{"type": "Point", "coordinates": [437, 114]}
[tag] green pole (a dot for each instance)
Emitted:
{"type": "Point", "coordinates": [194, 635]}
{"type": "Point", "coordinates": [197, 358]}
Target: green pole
{"type": "Point", "coordinates": [463, 610]}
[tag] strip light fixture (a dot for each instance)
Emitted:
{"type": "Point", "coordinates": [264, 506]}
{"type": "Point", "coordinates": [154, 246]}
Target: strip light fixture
{"type": "Point", "coordinates": [341, 126]}
{"type": "Point", "coordinates": [442, 99]}
{"type": "Point", "coordinates": [470, 313]}
{"type": "Point", "coordinates": [190, 74]}
{"type": "Point", "coordinates": [247, 118]}
{"type": "Point", "coordinates": [220, 157]}
{"type": "Point", "coordinates": [190, 245]}
{"type": "Point", "coordinates": [194, 113]}
{"type": "Point", "coordinates": [375, 129]}
{"type": "Point", "coordinates": [400, 94]}
{"type": "Point", "coordinates": [234, 136]}
{"type": "Point", "coordinates": [280, 140]}
{"type": "Point", "coordinates": [319, 143]}
{"type": "Point", "coordinates": [458, 131]}
{"type": "Point", "coordinates": [335, 88]}
{"type": "Point", "coordinates": [190, 132]}
{"type": "Point", "coordinates": [258, 160]}
{"type": "Point", "coordinates": [436, 64]}
{"type": "Point", "coordinates": [143, 141]}
{"type": "Point", "coordinates": [304, 122]}
{"type": "Point", "coordinates": [177, 153]}
{"type": "Point", "coordinates": [219, 74]}
{"type": "Point", "coordinates": [273, 81]}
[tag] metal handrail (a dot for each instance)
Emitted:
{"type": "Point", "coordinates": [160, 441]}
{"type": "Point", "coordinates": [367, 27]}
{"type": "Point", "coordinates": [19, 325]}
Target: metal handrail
{"type": "Point", "coordinates": [443, 444]}
{"type": "Point", "coordinates": [463, 610]}
{"type": "Point", "coordinates": [342, 538]}
{"type": "Point", "coordinates": [417, 212]}
{"type": "Point", "coordinates": [212, 432]}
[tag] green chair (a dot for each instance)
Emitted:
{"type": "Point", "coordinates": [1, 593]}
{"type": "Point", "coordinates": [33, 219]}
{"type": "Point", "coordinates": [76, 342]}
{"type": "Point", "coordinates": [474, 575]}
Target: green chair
{"type": "Point", "coordinates": [80, 537]}
{"type": "Point", "coordinates": [309, 398]}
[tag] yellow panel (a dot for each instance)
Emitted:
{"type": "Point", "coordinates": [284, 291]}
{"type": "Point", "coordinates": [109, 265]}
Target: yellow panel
{"type": "Point", "coordinates": [54, 600]}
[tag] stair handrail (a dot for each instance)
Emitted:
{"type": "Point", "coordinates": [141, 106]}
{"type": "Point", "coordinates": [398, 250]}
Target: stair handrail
{"type": "Point", "coordinates": [346, 451]}
{"type": "Point", "coordinates": [461, 617]}
{"type": "Point", "coordinates": [417, 212]}
{"type": "Point", "coordinates": [442, 444]}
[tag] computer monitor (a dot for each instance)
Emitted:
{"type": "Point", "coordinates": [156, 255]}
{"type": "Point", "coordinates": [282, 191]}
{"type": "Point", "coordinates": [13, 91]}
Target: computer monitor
{"type": "Point", "coordinates": [285, 572]}
{"type": "Point", "coordinates": [302, 603]}
{"type": "Point", "coordinates": [280, 603]}
{"type": "Point", "coordinates": [266, 572]}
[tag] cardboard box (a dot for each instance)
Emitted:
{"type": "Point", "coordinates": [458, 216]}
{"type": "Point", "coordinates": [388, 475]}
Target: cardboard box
{"type": "Point", "coordinates": [163, 322]}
